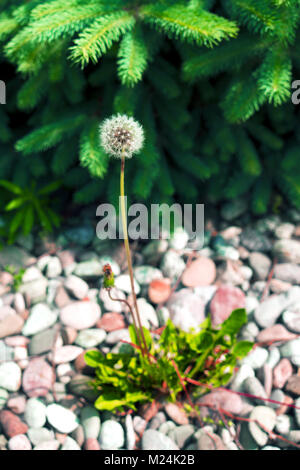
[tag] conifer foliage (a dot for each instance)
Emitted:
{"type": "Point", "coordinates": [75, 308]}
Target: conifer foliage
{"type": "Point", "coordinates": [209, 80]}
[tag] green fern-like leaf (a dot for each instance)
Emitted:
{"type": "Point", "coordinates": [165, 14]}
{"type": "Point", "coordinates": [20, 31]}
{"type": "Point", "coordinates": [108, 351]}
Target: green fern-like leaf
{"type": "Point", "coordinates": [132, 57]}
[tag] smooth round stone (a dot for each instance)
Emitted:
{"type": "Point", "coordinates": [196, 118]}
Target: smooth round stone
{"type": "Point", "coordinates": [155, 440]}
{"type": "Point", "coordinates": [276, 332]}
{"type": "Point", "coordinates": [274, 357]}
{"type": "Point", "coordinates": [111, 435]}
{"type": "Point", "coordinates": [76, 286]}
{"type": "Point", "coordinates": [295, 360]}
{"type": "Point", "coordinates": [181, 434]}
{"type": "Point", "coordinates": [123, 283]}
{"type": "Point", "coordinates": [292, 320]}
{"type": "Point", "coordinates": [201, 272]}
{"type": "Point", "coordinates": [70, 444]}
{"type": "Point", "coordinates": [19, 442]}
{"type": "Point", "coordinates": [276, 395]}
{"type": "Point", "coordinates": [287, 250]}
{"type": "Point", "coordinates": [147, 313]}
{"type": "Point", "coordinates": [172, 265]}
{"type": "Point", "coordinates": [251, 303]}
{"type": "Point", "coordinates": [261, 265]}
{"type": "Point", "coordinates": [226, 299]}
{"type": "Point", "coordinates": [293, 384]}
{"type": "Point", "coordinates": [88, 269]}
{"type": "Point", "coordinates": [159, 290]}
{"type": "Point", "coordinates": [91, 423]}
{"type": "Point", "coordinates": [287, 272]}
{"type": "Point", "coordinates": [176, 414]}
{"type": "Point", "coordinates": [243, 373]}
{"type": "Point", "coordinates": [112, 305]}
{"type": "Point", "coordinates": [39, 435]}
{"type": "Point", "coordinates": [284, 230]}
{"type": "Point", "coordinates": [62, 419]}
{"type": "Point", "coordinates": [3, 397]}
{"type": "Point", "coordinates": [65, 354]}
{"type": "Point", "coordinates": [111, 321]}
{"type": "Point", "coordinates": [40, 318]}
{"type": "Point", "coordinates": [11, 424]}
{"type": "Point", "coordinates": [267, 417]}
{"type": "Point", "coordinates": [130, 434]}
{"type": "Point", "coordinates": [37, 378]}
{"type": "Point", "coordinates": [35, 290]}
{"type": "Point", "coordinates": [254, 387]}
{"type": "Point", "coordinates": [42, 342]}
{"type": "Point", "coordinates": [283, 424]}
{"type": "Point", "coordinates": [290, 348]}
{"type": "Point", "coordinates": [270, 448]}
{"type": "Point", "coordinates": [249, 331]}
{"type": "Point", "coordinates": [163, 316]}
{"type": "Point", "coordinates": [35, 413]}
{"type": "Point", "coordinates": [269, 310]}
{"type": "Point", "coordinates": [179, 238]}
{"type": "Point", "coordinates": [11, 325]}
{"type": "Point", "coordinates": [282, 373]}
{"type": "Point", "coordinates": [118, 335]}
{"type": "Point", "coordinates": [90, 338]}
{"type": "Point", "coordinates": [186, 309]}
{"type": "Point", "coordinates": [80, 315]}
{"type": "Point", "coordinates": [146, 274]}
{"type": "Point", "coordinates": [256, 358]}
{"type": "Point", "coordinates": [6, 352]}
{"type": "Point", "coordinates": [297, 411]}
{"type": "Point", "coordinates": [54, 268]}
{"type": "Point", "coordinates": [10, 376]}
{"type": "Point", "coordinates": [17, 404]}
{"type": "Point", "coordinates": [223, 399]}
{"type": "Point", "coordinates": [47, 445]}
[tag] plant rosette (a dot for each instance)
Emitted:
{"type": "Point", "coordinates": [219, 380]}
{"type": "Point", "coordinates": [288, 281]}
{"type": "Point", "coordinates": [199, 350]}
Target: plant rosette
{"type": "Point", "coordinates": [127, 378]}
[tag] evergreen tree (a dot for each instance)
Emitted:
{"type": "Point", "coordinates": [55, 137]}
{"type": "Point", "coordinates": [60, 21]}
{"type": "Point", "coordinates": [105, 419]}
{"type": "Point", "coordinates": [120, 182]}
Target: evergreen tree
{"type": "Point", "coordinates": [210, 81]}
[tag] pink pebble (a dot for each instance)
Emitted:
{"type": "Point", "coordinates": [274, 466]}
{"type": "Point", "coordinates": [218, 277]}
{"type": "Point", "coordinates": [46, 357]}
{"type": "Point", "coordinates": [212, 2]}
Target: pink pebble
{"type": "Point", "coordinates": [17, 341]}
{"type": "Point", "coordinates": [92, 444]}
{"type": "Point", "coordinates": [17, 404]}
{"type": "Point", "coordinates": [282, 372]}
{"type": "Point", "coordinates": [201, 272]}
{"type": "Point", "coordinates": [19, 442]}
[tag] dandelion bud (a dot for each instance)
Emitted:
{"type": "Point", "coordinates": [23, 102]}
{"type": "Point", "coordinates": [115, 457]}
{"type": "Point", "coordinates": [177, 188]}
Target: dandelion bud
{"type": "Point", "coordinates": [121, 135]}
{"type": "Point", "coordinates": [108, 280]}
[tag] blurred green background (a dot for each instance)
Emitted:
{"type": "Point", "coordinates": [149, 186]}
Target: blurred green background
{"type": "Point", "coordinates": [210, 81]}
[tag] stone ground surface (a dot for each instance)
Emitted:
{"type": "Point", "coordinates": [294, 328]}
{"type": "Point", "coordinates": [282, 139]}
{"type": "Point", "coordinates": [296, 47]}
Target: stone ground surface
{"type": "Point", "coordinates": [60, 310]}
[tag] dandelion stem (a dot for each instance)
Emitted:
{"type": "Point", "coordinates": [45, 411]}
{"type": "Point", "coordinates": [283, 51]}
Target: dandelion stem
{"type": "Point", "coordinates": [137, 324]}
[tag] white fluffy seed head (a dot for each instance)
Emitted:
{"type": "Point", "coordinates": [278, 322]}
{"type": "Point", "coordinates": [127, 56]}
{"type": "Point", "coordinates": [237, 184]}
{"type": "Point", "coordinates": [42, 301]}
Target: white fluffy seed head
{"type": "Point", "coordinates": [121, 135]}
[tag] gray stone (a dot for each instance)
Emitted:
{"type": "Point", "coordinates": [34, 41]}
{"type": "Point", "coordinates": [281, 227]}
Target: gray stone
{"type": "Point", "coordinates": [249, 331]}
{"type": "Point", "coordinates": [284, 230]}
{"type": "Point", "coordinates": [90, 421]}
{"type": "Point", "coordinates": [181, 434]}
{"type": "Point", "coordinates": [35, 413]}
{"type": "Point", "coordinates": [40, 318]}
{"type": "Point", "coordinates": [253, 386]}
{"type": "Point", "coordinates": [155, 440]}
{"type": "Point", "coordinates": [269, 310]}
{"type": "Point", "coordinates": [244, 372]}
{"type": "Point", "coordinates": [267, 417]}
{"type": "Point", "coordinates": [123, 283]}
{"type": "Point", "coordinates": [283, 424]}
{"type": "Point", "coordinates": [14, 257]}
{"type": "Point", "coordinates": [287, 251]}
{"type": "Point", "coordinates": [260, 264]}
{"type": "Point", "coordinates": [111, 435]}
{"type": "Point", "coordinates": [42, 342]}
{"type": "Point", "coordinates": [76, 286]}
{"type": "Point", "coordinates": [274, 357]}
{"type": "Point", "coordinates": [276, 395]}
{"type": "Point", "coordinates": [254, 241]}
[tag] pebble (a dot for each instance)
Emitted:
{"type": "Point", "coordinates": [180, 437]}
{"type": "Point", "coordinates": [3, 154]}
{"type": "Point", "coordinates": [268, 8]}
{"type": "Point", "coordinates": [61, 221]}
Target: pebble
{"type": "Point", "coordinates": [147, 314]}
{"type": "Point", "coordinates": [112, 305]}
{"type": "Point", "coordinates": [226, 299]}
{"type": "Point", "coordinates": [201, 272]}
{"type": "Point", "coordinates": [91, 423]}
{"type": "Point", "coordinates": [269, 310]}
{"type": "Point", "coordinates": [186, 309]}
{"type": "Point", "coordinates": [287, 272]}
{"type": "Point", "coordinates": [35, 413]}
{"type": "Point", "coordinates": [80, 315]}
{"type": "Point", "coordinates": [130, 434]}
{"type": "Point", "coordinates": [37, 378]}
{"type": "Point", "coordinates": [261, 265]}
{"type": "Point", "coordinates": [111, 321]}
{"type": "Point", "coordinates": [254, 241]}
{"type": "Point", "coordinates": [290, 348]}
{"type": "Point", "coordinates": [293, 384]}
{"type": "Point", "coordinates": [274, 357]}
{"type": "Point", "coordinates": [92, 444]}
{"type": "Point", "coordinates": [10, 376]}
{"type": "Point", "coordinates": [123, 283]}
{"type": "Point", "coordinates": [155, 440]}
{"type": "Point", "coordinates": [274, 333]}
{"type": "Point", "coordinates": [146, 274]}
{"type": "Point", "coordinates": [244, 371]}
{"type": "Point", "coordinates": [179, 238]}
{"type": "Point", "coordinates": [172, 265]}
{"type": "Point", "coordinates": [62, 419]}
{"type": "Point", "coordinates": [254, 387]}
{"type": "Point", "coordinates": [111, 435]}
{"type": "Point", "coordinates": [47, 445]}
{"type": "Point", "coordinates": [35, 291]}
{"type": "Point", "coordinates": [267, 417]}
{"type": "Point", "coordinates": [40, 435]}
{"type": "Point", "coordinates": [3, 397]}
{"type": "Point", "coordinates": [287, 251]}
{"type": "Point", "coordinates": [17, 404]}
{"type": "Point", "coordinates": [249, 331]}
{"type": "Point", "coordinates": [89, 269]}
{"type": "Point", "coordinates": [65, 354]}
{"type": "Point", "coordinates": [70, 444]}
{"type": "Point", "coordinates": [276, 395]}
{"type": "Point", "coordinates": [42, 342]}
{"type": "Point", "coordinates": [283, 424]}
{"type": "Point", "coordinates": [90, 338]}
{"type": "Point", "coordinates": [11, 424]}
{"type": "Point", "coordinates": [11, 325]}
{"type": "Point", "coordinates": [19, 442]}
{"type": "Point", "coordinates": [256, 358]}
{"type": "Point", "coordinates": [76, 286]}
{"type": "Point", "coordinates": [282, 373]}
{"type": "Point", "coordinates": [182, 434]}
{"type": "Point", "coordinates": [224, 399]}
{"type": "Point", "coordinates": [292, 320]}
{"type": "Point", "coordinates": [159, 290]}
{"type": "Point", "coordinates": [40, 318]}
{"type": "Point", "coordinates": [177, 414]}
{"type": "Point", "coordinates": [54, 268]}
{"type": "Point", "coordinates": [297, 411]}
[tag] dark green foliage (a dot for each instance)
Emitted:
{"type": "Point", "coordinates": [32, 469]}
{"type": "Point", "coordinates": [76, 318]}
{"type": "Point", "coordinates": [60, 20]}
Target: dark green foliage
{"type": "Point", "coordinates": [127, 378]}
{"type": "Point", "coordinates": [210, 81]}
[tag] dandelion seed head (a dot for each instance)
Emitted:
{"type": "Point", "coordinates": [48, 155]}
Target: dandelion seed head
{"type": "Point", "coordinates": [121, 135]}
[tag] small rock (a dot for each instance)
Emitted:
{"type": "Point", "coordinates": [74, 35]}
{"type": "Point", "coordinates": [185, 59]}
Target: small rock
{"type": "Point", "coordinates": [130, 434]}
{"type": "Point", "coordinates": [224, 399]}
{"type": "Point", "coordinates": [292, 320]}
{"type": "Point", "coordinates": [159, 290]}
{"type": "Point", "coordinates": [42, 342]}
{"type": "Point", "coordinates": [186, 309]}
{"type": "Point", "coordinates": [267, 417]}
{"type": "Point", "coordinates": [177, 414]}
{"type": "Point", "coordinates": [146, 274]}
{"type": "Point", "coordinates": [172, 265]}
{"type": "Point", "coordinates": [35, 413]}
{"type": "Point", "coordinates": [61, 297]}
{"type": "Point", "coordinates": [147, 314]}
{"type": "Point", "coordinates": [11, 424]}
{"type": "Point", "coordinates": [112, 305]}
{"type": "Point", "coordinates": [111, 435]}
{"type": "Point", "coordinates": [210, 442]}
{"type": "Point", "coordinates": [256, 358]}
{"type": "Point", "coordinates": [11, 325]}
{"type": "Point", "coordinates": [40, 318]}
{"type": "Point", "coordinates": [35, 291]}
{"type": "Point", "coordinates": [291, 348]}
{"type": "Point", "coordinates": [17, 404]}
{"type": "Point", "coordinates": [278, 396]}
{"type": "Point", "coordinates": [123, 283]}
{"type": "Point", "coordinates": [284, 230]}
{"type": "Point", "coordinates": [65, 354]}
{"type": "Point", "coordinates": [240, 376]}
{"type": "Point", "coordinates": [79, 386]}
{"type": "Point", "coordinates": [279, 287]}
{"type": "Point", "coordinates": [80, 315]}
{"type": "Point", "coordinates": [62, 419]}
{"type": "Point", "coordinates": [48, 445]}
{"type": "Point", "coordinates": [293, 384]}
{"type": "Point", "coordinates": [90, 338]}
{"type": "Point", "coordinates": [37, 378]}
{"type": "Point", "coordinates": [274, 357]}
{"type": "Point", "coordinates": [70, 444]}
{"type": "Point", "coordinates": [287, 251]}
{"type": "Point", "coordinates": [254, 241]}
{"type": "Point", "coordinates": [201, 272]}
{"type": "Point", "coordinates": [269, 310]}
{"type": "Point", "coordinates": [225, 300]}
{"type": "Point", "coordinates": [253, 386]}
{"type": "Point", "coordinates": [287, 272]}
{"type": "Point", "coordinates": [76, 286]}
{"type": "Point", "coordinates": [92, 444]}
{"type": "Point", "coordinates": [89, 269]}
{"type": "Point", "coordinates": [3, 397]}
{"type": "Point", "coordinates": [274, 333]}
{"type": "Point", "coordinates": [10, 376]}
{"type": "Point", "coordinates": [282, 373]}
{"type": "Point", "coordinates": [155, 440]}
{"type": "Point", "coordinates": [111, 321]}
{"type": "Point", "coordinates": [181, 434]}
{"type": "Point", "coordinates": [283, 424]}
{"type": "Point", "coordinates": [90, 420]}
{"type": "Point", "coordinates": [54, 267]}
{"type": "Point", "coordinates": [260, 264]}
{"type": "Point", "coordinates": [39, 435]}
{"type": "Point", "coordinates": [297, 411]}
{"type": "Point", "coordinates": [19, 442]}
